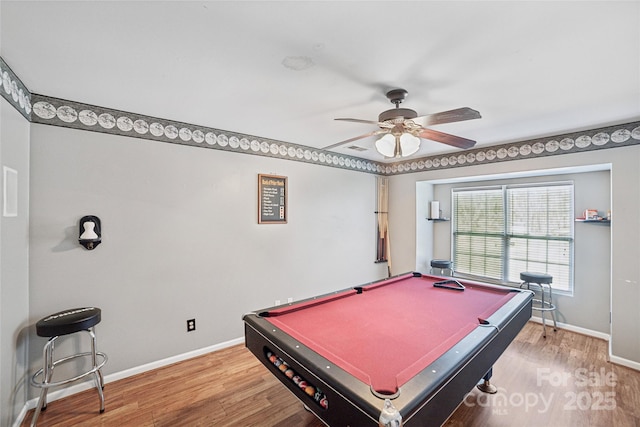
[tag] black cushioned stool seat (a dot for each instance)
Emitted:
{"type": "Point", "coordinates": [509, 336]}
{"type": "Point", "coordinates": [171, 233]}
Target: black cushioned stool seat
{"type": "Point", "coordinates": [68, 322]}
{"type": "Point", "coordinates": [442, 265]}
{"type": "Point", "coordinates": [64, 323]}
{"type": "Point", "coordinates": [541, 278]}
{"type": "Point", "coordinates": [541, 282]}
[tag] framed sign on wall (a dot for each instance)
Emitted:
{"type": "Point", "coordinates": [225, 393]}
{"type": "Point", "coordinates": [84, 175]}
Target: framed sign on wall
{"type": "Point", "coordinates": [272, 199]}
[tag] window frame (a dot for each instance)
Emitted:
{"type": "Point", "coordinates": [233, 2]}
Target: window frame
{"type": "Point", "coordinates": [506, 233]}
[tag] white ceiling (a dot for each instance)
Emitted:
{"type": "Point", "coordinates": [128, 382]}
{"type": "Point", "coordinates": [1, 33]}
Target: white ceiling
{"type": "Point", "coordinates": [532, 69]}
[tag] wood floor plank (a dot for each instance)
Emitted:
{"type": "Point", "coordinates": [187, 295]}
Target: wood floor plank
{"type": "Point", "coordinates": [564, 380]}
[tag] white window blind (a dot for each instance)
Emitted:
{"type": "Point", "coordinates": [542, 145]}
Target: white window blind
{"type": "Point", "coordinates": [499, 232]}
{"type": "Point", "coordinates": [479, 232]}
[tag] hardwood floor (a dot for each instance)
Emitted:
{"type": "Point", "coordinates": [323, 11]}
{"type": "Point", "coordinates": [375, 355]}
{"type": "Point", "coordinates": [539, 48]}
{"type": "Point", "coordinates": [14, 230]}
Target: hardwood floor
{"type": "Point", "coordinates": [561, 381]}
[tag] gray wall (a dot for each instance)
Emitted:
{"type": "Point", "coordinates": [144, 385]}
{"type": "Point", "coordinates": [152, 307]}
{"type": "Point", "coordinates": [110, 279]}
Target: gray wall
{"type": "Point", "coordinates": [181, 239]}
{"type": "Point", "coordinates": [14, 271]}
{"type": "Point", "coordinates": [588, 307]}
{"type": "Point", "coordinates": [407, 220]}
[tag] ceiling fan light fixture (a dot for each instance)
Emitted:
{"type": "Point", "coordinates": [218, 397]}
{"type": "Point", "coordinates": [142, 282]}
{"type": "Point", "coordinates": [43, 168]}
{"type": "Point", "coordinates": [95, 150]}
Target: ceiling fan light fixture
{"type": "Point", "coordinates": [386, 145]}
{"type": "Point", "coordinates": [403, 146]}
{"type": "Point", "coordinates": [409, 144]}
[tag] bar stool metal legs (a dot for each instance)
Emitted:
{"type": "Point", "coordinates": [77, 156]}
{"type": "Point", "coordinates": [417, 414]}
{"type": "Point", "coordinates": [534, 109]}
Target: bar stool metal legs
{"type": "Point", "coordinates": [542, 284]}
{"type": "Point", "coordinates": [547, 306]}
{"type": "Point", "coordinates": [47, 357]}
{"type": "Point", "coordinates": [49, 364]}
{"type": "Point", "coordinates": [54, 326]}
{"type": "Point", "coordinates": [97, 372]}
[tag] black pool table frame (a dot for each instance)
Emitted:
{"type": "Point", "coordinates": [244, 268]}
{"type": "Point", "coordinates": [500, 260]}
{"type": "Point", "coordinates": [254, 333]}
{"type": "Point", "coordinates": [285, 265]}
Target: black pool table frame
{"type": "Point", "coordinates": [427, 399]}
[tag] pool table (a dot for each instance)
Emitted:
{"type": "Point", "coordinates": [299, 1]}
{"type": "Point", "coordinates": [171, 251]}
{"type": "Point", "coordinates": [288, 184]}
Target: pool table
{"type": "Point", "coordinates": [421, 341]}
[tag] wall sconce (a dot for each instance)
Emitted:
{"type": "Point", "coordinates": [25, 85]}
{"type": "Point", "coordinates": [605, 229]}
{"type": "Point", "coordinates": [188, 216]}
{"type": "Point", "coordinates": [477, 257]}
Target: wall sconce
{"type": "Point", "coordinates": [90, 232]}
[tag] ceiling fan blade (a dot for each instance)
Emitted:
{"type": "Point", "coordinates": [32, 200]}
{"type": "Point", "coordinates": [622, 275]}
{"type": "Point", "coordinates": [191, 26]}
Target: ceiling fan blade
{"type": "Point", "coordinates": [369, 122]}
{"type": "Point", "coordinates": [457, 115]}
{"type": "Point", "coordinates": [346, 141]}
{"type": "Point", "coordinates": [445, 138]}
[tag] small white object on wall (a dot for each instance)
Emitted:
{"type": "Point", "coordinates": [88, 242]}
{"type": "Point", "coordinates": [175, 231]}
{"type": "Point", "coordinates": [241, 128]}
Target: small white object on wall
{"type": "Point", "coordinates": [10, 191]}
{"type": "Point", "coordinates": [434, 210]}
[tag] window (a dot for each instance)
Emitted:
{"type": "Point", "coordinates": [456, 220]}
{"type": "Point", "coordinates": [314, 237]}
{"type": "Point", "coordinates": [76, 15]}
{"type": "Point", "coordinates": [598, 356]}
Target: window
{"type": "Point", "coordinates": [501, 231]}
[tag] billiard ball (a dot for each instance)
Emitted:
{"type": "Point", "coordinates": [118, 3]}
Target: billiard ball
{"type": "Point", "coordinates": [324, 402]}
{"type": "Point", "coordinates": [310, 390]}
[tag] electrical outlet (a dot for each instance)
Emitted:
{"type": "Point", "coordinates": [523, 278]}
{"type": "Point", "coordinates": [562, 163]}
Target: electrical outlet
{"type": "Point", "coordinates": [277, 302]}
{"type": "Point", "coordinates": [289, 300]}
{"type": "Point", "coordinates": [191, 325]}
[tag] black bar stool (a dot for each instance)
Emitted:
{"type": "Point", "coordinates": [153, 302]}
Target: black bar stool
{"type": "Point", "coordinates": [442, 265]}
{"type": "Point", "coordinates": [542, 283]}
{"type": "Point", "coordinates": [65, 323]}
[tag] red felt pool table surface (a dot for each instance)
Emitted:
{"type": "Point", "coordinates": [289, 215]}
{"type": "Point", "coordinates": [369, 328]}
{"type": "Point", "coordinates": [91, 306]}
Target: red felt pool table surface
{"type": "Point", "coordinates": [391, 331]}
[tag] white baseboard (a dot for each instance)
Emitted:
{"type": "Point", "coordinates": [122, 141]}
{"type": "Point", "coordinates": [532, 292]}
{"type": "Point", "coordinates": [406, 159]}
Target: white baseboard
{"type": "Point", "coordinates": [168, 361]}
{"type": "Point", "coordinates": [576, 329]}
{"type": "Point", "coordinates": [613, 359]}
{"type": "Point", "coordinates": [21, 415]}
{"type": "Point", "coordinates": [624, 362]}
{"type": "Point", "coordinates": [86, 385]}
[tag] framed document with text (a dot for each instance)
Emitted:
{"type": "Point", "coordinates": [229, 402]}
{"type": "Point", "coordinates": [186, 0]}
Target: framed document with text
{"type": "Point", "coordinates": [272, 199]}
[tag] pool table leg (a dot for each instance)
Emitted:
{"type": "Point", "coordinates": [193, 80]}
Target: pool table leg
{"type": "Point", "coordinates": [486, 386]}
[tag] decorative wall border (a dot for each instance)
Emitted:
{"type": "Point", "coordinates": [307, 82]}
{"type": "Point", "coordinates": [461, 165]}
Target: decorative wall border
{"type": "Point", "coordinates": [70, 114]}
{"type": "Point", "coordinates": [14, 91]}
{"type": "Point", "coordinates": [574, 142]}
